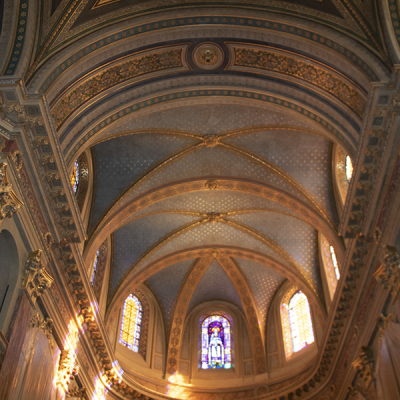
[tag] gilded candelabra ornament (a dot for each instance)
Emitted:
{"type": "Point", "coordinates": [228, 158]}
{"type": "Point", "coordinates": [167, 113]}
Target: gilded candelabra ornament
{"type": "Point", "coordinates": [9, 202]}
{"type": "Point", "coordinates": [36, 279]}
{"type": "Point", "coordinates": [388, 274]}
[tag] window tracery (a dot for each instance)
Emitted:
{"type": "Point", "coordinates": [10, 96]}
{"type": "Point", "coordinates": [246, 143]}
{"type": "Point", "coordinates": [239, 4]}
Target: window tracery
{"type": "Point", "coordinates": [216, 343]}
{"type": "Point", "coordinates": [297, 325]}
{"type": "Point", "coordinates": [131, 323]}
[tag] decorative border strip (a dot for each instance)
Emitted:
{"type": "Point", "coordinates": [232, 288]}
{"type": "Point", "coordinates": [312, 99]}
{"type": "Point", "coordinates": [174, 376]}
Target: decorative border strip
{"type": "Point", "coordinates": [201, 93]}
{"type": "Point", "coordinates": [19, 40]}
{"type": "Point", "coordinates": [393, 10]}
{"type": "Point", "coordinates": [211, 20]}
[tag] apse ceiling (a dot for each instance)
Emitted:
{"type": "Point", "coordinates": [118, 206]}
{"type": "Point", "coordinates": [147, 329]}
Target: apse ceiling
{"type": "Point", "coordinates": [253, 185]}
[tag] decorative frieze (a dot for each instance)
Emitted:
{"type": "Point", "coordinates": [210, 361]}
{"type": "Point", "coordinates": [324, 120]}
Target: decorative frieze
{"type": "Point", "coordinates": [388, 274]}
{"type": "Point", "coordinates": [36, 279]}
{"type": "Point", "coordinates": [9, 202]}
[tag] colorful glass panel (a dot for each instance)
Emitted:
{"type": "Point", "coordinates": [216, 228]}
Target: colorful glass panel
{"type": "Point", "coordinates": [349, 168]}
{"type": "Point", "coordinates": [216, 349]}
{"type": "Point", "coordinates": [96, 261]}
{"type": "Point", "coordinates": [301, 328]}
{"type": "Point", "coordinates": [335, 263]}
{"type": "Point", "coordinates": [131, 323]}
{"type": "Point", "coordinates": [75, 177]}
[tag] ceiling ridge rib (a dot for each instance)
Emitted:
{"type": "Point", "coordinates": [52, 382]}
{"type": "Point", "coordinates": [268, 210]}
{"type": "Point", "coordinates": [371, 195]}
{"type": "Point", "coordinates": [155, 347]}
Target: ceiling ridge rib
{"type": "Point", "coordinates": [182, 303]}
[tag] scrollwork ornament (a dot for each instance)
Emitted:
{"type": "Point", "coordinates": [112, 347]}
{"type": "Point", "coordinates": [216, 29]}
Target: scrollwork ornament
{"type": "Point", "coordinates": [364, 366]}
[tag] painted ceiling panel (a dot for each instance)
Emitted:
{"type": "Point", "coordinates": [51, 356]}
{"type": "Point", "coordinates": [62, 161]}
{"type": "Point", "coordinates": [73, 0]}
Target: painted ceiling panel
{"type": "Point", "coordinates": [215, 162]}
{"type": "Point", "coordinates": [214, 118]}
{"type": "Point", "coordinates": [306, 157]}
{"type": "Point", "coordinates": [214, 201]}
{"type": "Point", "coordinates": [215, 285]}
{"type": "Point", "coordinates": [298, 238]}
{"type": "Point", "coordinates": [165, 285]}
{"type": "Point", "coordinates": [263, 282]}
{"type": "Point", "coordinates": [211, 235]}
{"type": "Point", "coordinates": [133, 239]}
{"type": "Point", "coordinates": [121, 160]}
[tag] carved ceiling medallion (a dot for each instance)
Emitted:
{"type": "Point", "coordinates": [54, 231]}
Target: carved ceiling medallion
{"type": "Point", "coordinates": [208, 56]}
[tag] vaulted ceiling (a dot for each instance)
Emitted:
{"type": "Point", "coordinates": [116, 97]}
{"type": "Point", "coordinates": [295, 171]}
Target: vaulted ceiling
{"type": "Point", "coordinates": [212, 129]}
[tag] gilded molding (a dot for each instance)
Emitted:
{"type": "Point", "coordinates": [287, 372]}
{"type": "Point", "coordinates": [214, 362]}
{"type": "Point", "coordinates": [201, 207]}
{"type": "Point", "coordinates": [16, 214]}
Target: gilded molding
{"type": "Point", "coordinates": [9, 202]}
{"type": "Point", "coordinates": [162, 59]}
{"type": "Point", "coordinates": [267, 60]}
{"type": "Point", "coordinates": [35, 279]}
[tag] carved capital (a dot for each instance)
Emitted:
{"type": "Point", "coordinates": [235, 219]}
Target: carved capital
{"type": "Point", "coordinates": [383, 323]}
{"type": "Point", "coordinates": [36, 279]}
{"type": "Point", "coordinates": [9, 202]}
{"type": "Point", "coordinates": [45, 324]}
{"type": "Point", "coordinates": [364, 366]}
{"type": "Point", "coordinates": [388, 274]}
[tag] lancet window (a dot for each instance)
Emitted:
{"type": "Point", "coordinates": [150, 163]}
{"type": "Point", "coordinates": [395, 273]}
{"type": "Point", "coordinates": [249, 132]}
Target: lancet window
{"type": "Point", "coordinates": [96, 262]}
{"type": "Point", "coordinates": [131, 323]}
{"type": "Point", "coordinates": [331, 266]}
{"type": "Point", "coordinates": [75, 177]}
{"type": "Point", "coordinates": [297, 324]}
{"type": "Point", "coordinates": [216, 350]}
{"type": "Point", "coordinates": [349, 168]}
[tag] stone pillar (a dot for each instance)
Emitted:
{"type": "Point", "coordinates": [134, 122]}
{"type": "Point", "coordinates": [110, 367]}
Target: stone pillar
{"type": "Point", "coordinates": [34, 282]}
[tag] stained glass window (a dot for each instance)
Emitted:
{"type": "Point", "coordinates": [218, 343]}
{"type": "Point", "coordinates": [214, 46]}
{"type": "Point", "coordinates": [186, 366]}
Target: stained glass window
{"type": "Point", "coordinates": [349, 168]}
{"type": "Point", "coordinates": [75, 177]}
{"type": "Point", "coordinates": [96, 261]}
{"type": "Point", "coordinates": [131, 323]}
{"type": "Point", "coordinates": [301, 328]}
{"type": "Point", "coordinates": [216, 343]}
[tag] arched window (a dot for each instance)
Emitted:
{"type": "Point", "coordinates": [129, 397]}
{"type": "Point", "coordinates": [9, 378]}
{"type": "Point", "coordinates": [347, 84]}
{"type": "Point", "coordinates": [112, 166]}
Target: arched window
{"type": "Point", "coordinates": [75, 177]}
{"type": "Point", "coordinates": [131, 323]}
{"type": "Point", "coordinates": [349, 168]}
{"type": "Point", "coordinates": [96, 261]}
{"type": "Point", "coordinates": [216, 350]}
{"type": "Point", "coordinates": [331, 266]}
{"type": "Point", "coordinates": [296, 322]}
